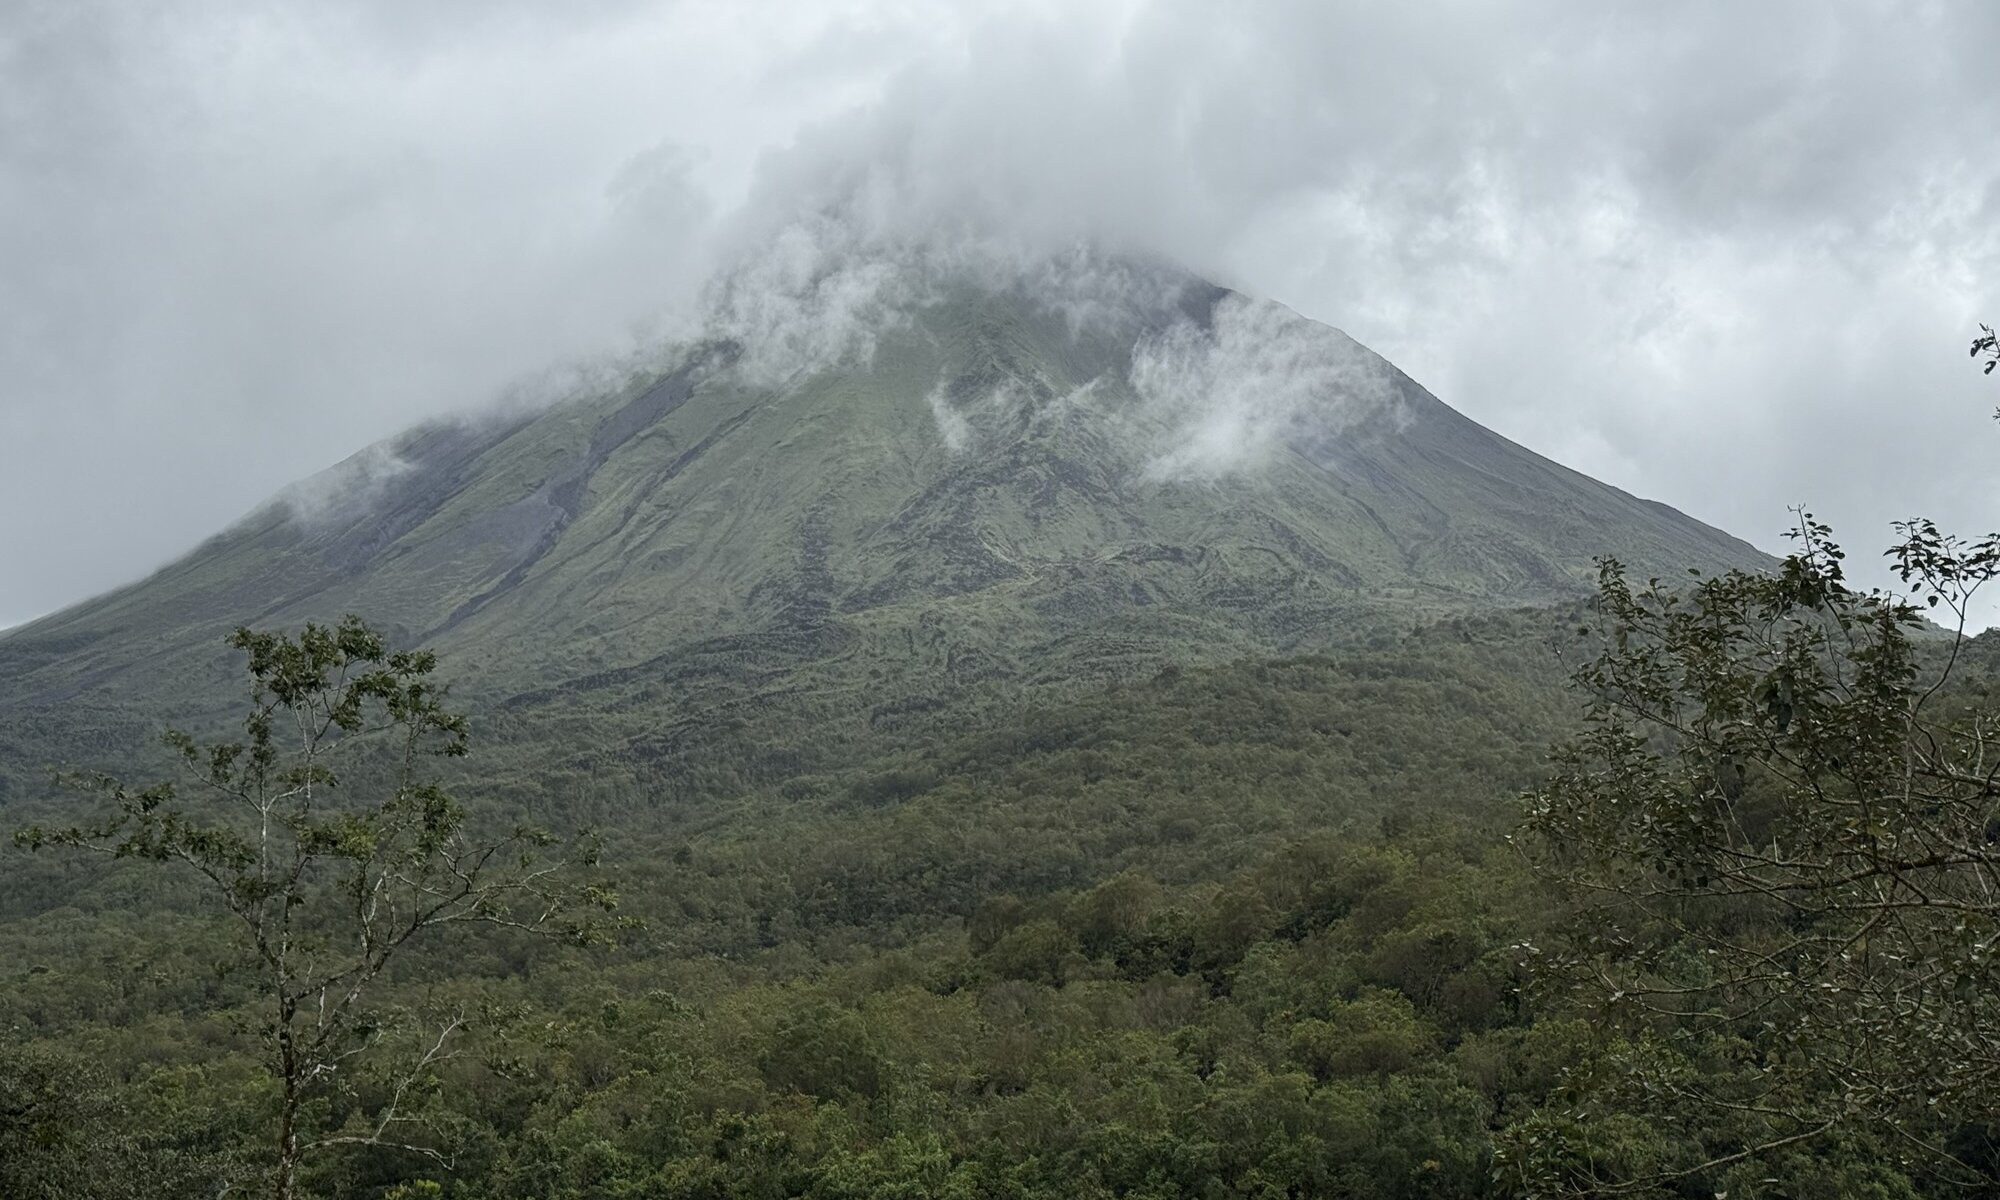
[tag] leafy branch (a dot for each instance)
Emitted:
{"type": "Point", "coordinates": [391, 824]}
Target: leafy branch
{"type": "Point", "coordinates": [329, 884]}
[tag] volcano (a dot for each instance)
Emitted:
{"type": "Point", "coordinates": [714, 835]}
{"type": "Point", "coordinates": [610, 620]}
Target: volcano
{"type": "Point", "coordinates": [1001, 484]}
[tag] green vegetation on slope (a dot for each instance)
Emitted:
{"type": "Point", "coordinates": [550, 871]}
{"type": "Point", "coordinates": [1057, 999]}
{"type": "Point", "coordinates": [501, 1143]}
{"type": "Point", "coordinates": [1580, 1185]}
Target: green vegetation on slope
{"type": "Point", "coordinates": [1238, 931]}
{"type": "Point", "coordinates": [973, 503]}
{"type": "Point", "coordinates": [1010, 818]}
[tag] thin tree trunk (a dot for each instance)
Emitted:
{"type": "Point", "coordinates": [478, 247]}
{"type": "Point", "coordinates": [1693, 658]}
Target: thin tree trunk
{"type": "Point", "coordinates": [288, 1116]}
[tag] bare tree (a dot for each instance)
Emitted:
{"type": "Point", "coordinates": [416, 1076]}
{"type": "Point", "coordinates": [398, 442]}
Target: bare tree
{"type": "Point", "coordinates": [328, 889]}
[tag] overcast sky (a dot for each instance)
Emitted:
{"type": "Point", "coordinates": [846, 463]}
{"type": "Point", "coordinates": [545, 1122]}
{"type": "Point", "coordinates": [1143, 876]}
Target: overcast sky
{"type": "Point", "coordinates": [1729, 256]}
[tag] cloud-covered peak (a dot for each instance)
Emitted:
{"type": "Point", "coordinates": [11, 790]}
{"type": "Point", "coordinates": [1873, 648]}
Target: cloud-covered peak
{"type": "Point", "coordinates": [1697, 249]}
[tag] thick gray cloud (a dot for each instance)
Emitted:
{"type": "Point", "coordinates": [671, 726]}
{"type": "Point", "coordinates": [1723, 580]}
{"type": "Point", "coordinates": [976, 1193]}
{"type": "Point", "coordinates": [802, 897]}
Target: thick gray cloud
{"type": "Point", "coordinates": [1724, 255]}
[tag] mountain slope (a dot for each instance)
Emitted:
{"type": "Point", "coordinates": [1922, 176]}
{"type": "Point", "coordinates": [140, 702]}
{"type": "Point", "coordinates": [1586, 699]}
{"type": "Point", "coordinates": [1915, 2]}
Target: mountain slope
{"type": "Point", "coordinates": [998, 489]}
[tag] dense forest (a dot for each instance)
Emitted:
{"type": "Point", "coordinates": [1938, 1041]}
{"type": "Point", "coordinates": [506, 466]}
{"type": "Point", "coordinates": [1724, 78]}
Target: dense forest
{"type": "Point", "coordinates": [1267, 929]}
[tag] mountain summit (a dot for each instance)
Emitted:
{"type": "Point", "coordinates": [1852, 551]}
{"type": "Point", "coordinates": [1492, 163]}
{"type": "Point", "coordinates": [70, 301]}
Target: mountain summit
{"type": "Point", "coordinates": [983, 480]}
